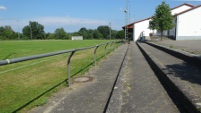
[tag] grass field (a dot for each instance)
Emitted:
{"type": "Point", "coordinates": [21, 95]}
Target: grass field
{"type": "Point", "coordinates": [14, 49]}
{"type": "Point", "coordinates": [27, 84]}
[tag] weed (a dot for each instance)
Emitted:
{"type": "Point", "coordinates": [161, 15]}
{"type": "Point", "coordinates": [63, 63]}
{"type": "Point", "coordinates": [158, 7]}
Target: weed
{"type": "Point", "coordinates": [171, 46]}
{"type": "Point", "coordinates": [192, 52]}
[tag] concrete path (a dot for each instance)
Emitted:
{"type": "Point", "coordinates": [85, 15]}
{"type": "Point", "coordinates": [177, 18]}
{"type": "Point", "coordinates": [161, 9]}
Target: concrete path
{"type": "Point", "coordinates": [137, 89]}
{"type": "Point", "coordinates": [142, 92]}
{"type": "Point", "coordinates": [88, 97]}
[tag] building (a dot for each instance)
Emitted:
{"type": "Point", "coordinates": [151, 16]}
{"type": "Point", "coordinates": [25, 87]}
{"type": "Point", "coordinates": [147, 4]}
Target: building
{"type": "Point", "coordinates": [188, 25]}
{"type": "Point", "coordinates": [185, 16]}
{"type": "Point", "coordinates": [77, 37]}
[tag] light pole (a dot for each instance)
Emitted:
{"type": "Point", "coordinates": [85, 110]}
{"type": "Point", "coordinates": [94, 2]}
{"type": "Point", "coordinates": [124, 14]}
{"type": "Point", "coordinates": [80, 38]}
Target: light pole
{"type": "Point", "coordinates": [126, 20]}
{"type": "Point", "coordinates": [110, 30]}
{"type": "Point", "coordinates": [18, 29]}
{"type": "Point", "coordinates": [30, 29]}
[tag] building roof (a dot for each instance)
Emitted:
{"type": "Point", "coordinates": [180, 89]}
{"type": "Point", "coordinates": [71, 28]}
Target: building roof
{"type": "Point", "coordinates": [131, 24]}
{"type": "Point", "coordinates": [188, 10]}
{"type": "Point", "coordinates": [185, 4]}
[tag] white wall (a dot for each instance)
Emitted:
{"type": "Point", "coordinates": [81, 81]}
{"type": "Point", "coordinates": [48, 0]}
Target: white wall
{"type": "Point", "coordinates": [189, 25]}
{"type": "Point", "coordinates": [139, 27]}
{"type": "Point", "coordinates": [77, 37]}
{"type": "Point", "coordinates": [180, 9]}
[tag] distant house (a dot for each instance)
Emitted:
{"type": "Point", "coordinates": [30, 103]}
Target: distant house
{"type": "Point", "coordinates": [187, 20]}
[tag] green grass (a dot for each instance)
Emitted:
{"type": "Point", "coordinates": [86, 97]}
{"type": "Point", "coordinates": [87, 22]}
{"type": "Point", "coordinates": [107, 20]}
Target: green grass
{"type": "Point", "coordinates": [14, 49]}
{"type": "Point", "coordinates": [37, 79]}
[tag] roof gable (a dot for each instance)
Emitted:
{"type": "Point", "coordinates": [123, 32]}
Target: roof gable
{"type": "Point", "coordinates": [185, 4]}
{"type": "Point", "coordinates": [187, 10]}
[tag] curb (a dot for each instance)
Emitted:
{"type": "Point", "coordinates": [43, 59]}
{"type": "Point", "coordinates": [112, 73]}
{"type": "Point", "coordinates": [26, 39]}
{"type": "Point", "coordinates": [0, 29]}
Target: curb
{"type": "Point", "coordinates": [174, 91]}
{"type": "Point", "coordinates": [109, 105]}
{"type": "Point", "coordinates": [115, 103]}
{"type": "Point", "coordinates": [190, 58]}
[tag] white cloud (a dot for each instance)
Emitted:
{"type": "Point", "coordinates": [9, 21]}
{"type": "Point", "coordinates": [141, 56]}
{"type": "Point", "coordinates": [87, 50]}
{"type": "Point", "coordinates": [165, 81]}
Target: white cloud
{"type": "Point", "coordinates": [3, 8]}
{"type": "Point", "coordinates": [69, 23]}
{"type": "Point", "coordinates": [50, 23]}
{"type": "Point", "coordinates": [68, 20]}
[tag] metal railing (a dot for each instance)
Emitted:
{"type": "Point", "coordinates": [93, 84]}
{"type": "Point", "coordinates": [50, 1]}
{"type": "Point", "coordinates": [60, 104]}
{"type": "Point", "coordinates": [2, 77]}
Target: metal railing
{"type": "Point", "coordinates": [16, 60]}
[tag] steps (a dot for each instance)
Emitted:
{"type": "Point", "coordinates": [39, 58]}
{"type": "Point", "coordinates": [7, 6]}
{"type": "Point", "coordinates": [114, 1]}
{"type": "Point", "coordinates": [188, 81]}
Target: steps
{"type": "Point", "coordinates": [181, 78]}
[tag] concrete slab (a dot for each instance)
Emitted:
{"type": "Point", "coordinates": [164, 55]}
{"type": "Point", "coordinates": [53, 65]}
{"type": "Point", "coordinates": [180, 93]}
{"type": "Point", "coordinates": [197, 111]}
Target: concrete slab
{"type": "Point", "coordinates": [88, 97]}
{"type": "Point", "coordinates": [191, 46]}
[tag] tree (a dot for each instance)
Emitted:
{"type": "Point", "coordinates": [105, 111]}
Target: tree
{"type": "Point", "coordinates": [83, 29]}
{"type": "Point", "coordinates": [104, 30]}
{"type": "Point", "coordinates": [84, 32]}
{"type": "Point", "coordinates": [26, 32]}
{"type": "Point", "coordinates": [50, 36]}
{"type": "Point", "coordinates": [97, 35]}
{"type": "Point", "coordinates": [34, 31]}
{"type": "Point", "coordinates": [120, 34]}
{"type": "Point", "coordinates": [114, 33]}
{"type": "Point", "coordinates": [90, 33]}
{"type": "Point", "coordinates": [162, 19]}
{"type": "Point", "coordinates": [61, 34]}
{"type": "Point", "coordinates": [6, 32]}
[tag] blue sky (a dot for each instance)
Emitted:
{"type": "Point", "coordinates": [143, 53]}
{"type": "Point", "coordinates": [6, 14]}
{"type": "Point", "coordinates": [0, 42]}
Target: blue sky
{"type": "Point", "coordinates": [74, 14]}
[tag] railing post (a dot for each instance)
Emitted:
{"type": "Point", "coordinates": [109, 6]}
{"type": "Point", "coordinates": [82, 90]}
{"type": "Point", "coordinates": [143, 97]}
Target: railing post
{"type": "Point", "coordinates": [116, 44]}
{"type": "Point", "coordinates": [68, 66]}
{"type": "Point", "coordinates": [111, 46]}
{"type": "Point", "coordinates": [105, 49]}
{"type": "Point", "coordinates": [95, 54]}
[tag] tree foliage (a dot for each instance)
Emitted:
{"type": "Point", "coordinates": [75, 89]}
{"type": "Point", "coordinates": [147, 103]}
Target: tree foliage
{"type": "Point", "coordinates": [97, 35]}
{"type": "Point", "coordinates": [162, 19]}
{"type": "Point", "coordinates": [87, 34]}
{"type": "Point", "coordinates": [60, 33]}
{"type": "Point", "coordinates": [104, 30]}
{"type": "Point", "coordinates": [6, 32]}
{"type": "Point", "coordinates": [120, 34]}
{"type": "Point", "coordinates": [34, 31]}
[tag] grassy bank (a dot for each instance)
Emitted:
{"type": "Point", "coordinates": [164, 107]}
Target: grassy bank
{"type": "Point", "coordinates": [27, 84]}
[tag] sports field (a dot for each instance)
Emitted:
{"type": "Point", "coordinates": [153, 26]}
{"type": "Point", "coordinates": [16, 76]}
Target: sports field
{"type": "Point", "coordinates": [27, 84]}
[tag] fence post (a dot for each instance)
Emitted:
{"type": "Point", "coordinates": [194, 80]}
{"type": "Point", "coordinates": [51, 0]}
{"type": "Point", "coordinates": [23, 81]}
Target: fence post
{"type": "Point", "coordinates": [105, 49]}
{"type": "Point", "coordinates": [116, 44]}
{"type": "Point", "coordinates": [95, 54]}
{"type": "Point", "coordinates": [111, 46]}
{"type": "Point", "coordinates": [68, 66]}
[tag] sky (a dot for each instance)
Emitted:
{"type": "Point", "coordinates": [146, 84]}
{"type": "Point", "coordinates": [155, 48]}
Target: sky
{"type": "Point", "coordinates": [75, 14]}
